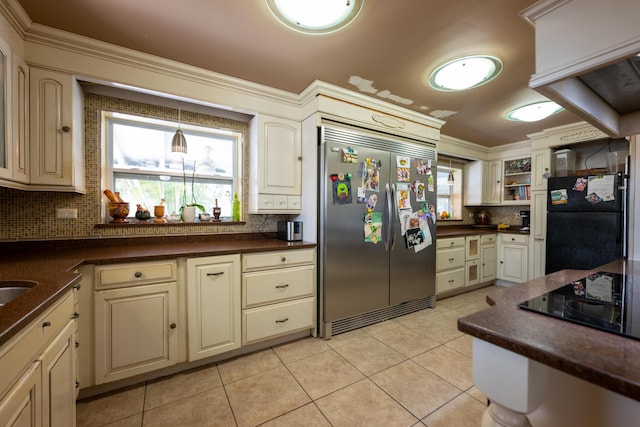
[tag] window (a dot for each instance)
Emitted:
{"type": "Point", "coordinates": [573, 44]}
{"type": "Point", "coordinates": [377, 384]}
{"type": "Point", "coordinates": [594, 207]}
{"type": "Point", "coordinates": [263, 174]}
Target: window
{"type": "Point", "coordinates": [142, 168]}
{"type": "Point", "coordinates": [449, 203]}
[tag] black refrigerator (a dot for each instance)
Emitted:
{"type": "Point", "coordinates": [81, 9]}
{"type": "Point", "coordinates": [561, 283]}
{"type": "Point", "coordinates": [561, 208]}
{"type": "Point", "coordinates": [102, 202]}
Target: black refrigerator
{"type": "Point", "coordinates": [586, 221]}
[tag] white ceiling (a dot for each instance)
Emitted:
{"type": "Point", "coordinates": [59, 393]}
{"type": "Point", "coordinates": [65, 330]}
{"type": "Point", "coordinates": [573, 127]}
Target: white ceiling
{"type": "Point", "coordinates": [394, 44]}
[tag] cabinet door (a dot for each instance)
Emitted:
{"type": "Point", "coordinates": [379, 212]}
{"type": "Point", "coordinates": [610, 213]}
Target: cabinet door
{"type": "Point", "coordinates": [491, 182]}
{"type": "Point", "coordinates": [56, 151]}
{"type": "Point", "coordinates": [20, 120]}
{"type": "Point", "coordinates": [279, 153]}
{"type": "Point", "coordinates": [472, 274]}
{"type": "Point", "coordinates": [513, 263]}
{"type": "Point", "coordinates": [22, 406]}
{"type": "Point", "coordinates": [539, 249]}
{"type": "Point", "coordinates": [58, 380]}
{"type": "Point", "coordinates": [540, 163]}
{"type": "Point", "coordinates": [472, 245]}
{"type": "Point", "coordinates": [213, 305]}
{"type": "Point", "coordinates": [135, 330]}
{"type": "Point", "coordinates": [488, 263]}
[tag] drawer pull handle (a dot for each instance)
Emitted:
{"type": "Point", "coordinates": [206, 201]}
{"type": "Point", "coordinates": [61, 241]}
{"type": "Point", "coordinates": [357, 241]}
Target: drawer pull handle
{"type": "Point", "coordinates": [282, 286]}
{"type": "Point", "coordinates": [46, 324]}
{"type": "Point", "coordinates": [77, 286]}
{"type": "Point", "coordinates": [451, 259]}
{"type": "Point", "coordinates": [219, 273]}
{"type": "Point", "coordinates": [77, 384]}
{"type": "Point", "coordinates": [286, 319]}
{"type": "Point", "coordinates": [451, 280]}
{"type": "Point", "coordinates": [137, 274]}
{"type": "Point", "coordinates": [513, 239]}
{"type": "Point", "coordinates": [77, 344]}
{"type": "Point", "coordinates": [75, 315]}
{"type": "Point", "coordinates": [283, 259]}
{"type": "Point", "coordinates": [172, 326]}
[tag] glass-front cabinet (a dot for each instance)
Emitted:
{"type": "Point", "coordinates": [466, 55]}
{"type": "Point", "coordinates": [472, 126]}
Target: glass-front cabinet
{"type": "Point", "coordinates": [516, 188]}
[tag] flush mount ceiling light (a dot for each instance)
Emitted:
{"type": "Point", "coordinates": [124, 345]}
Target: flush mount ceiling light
{"type": "Point", "coordinates": [315, 16]}
{"type": "Point", "coordinates": [534, 112]}
{"type": "Point", "coordinates": [465, 73]}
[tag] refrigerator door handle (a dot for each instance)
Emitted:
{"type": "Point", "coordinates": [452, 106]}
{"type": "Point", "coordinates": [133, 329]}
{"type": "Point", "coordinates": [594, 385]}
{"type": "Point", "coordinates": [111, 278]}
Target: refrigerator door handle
{"type": "Point", "coordinates": [392, 217]}
{"type": "Point", "coordinates": [387, 224]}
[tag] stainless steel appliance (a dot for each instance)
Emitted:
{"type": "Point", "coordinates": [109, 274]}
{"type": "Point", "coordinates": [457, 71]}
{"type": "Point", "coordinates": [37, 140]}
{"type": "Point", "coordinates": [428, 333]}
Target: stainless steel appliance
{"type": "Point", "coordinates": [290, 230]}
{"type": "Point", "coordinates": [586, 221]}
{"type": "Point", "coordinates": [526, 224]}
{"type": "Point", "coordinates": [371, 268]}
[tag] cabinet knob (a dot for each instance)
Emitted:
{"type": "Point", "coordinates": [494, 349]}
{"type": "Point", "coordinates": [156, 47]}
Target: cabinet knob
{"type": "Point", "coordinates": [77, 344]}
{"type": "Point", "coordinates": [138, 274]}
{"type": "Point", "coordinates": [75, 315]}
{"type": "Point", "coordinates": [66, 129]}
{"type": "Point", "coordinates": [46, 324]}
{"type": "Point", "coordinates": [513, 239]}
{"type": "Point", "coordinates": [77, 384]}
{"type": "Point", "coordinates": [172, 326]}
{"type": "Point", "coordinates": [501, 262]}
{"type": "Point", "coordinates": [77, 286]}
{"type": "Point", "coordinates": [283, 259]}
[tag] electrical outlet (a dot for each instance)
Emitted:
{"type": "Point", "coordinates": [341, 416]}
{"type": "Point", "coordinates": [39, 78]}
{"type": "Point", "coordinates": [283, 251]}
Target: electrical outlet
{"type": "Point", "coordinates": [66, 213]}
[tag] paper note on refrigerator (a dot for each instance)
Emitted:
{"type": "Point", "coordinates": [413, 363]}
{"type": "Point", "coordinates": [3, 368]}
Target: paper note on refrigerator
{"type": "Point", "coordinates": [603, 186]}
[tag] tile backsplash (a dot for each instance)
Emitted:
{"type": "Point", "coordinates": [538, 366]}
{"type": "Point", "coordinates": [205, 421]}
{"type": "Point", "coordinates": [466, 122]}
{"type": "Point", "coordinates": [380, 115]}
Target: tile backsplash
{"type": "Point", "coordinates": [30, 215]}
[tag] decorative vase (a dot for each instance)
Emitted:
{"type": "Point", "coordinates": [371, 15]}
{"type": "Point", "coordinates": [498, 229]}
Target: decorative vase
{"type": "Point", "coordinates": [158, 211]}
{"type": "Point", "coordinates": [189, 214]}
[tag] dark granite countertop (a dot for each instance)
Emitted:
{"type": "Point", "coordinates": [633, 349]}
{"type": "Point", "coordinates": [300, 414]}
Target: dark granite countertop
{"type": "Point", "coordinates": [444, 231]}
{"type": "Point", "coordinates": [53, 263]}
{"type": "Point", "coordinates": [605, 359]}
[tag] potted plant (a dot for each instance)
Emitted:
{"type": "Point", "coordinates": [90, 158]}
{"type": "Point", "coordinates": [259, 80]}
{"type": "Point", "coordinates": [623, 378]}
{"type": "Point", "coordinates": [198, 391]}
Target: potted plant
{"type": "Point", "coordinates": [188, 210]}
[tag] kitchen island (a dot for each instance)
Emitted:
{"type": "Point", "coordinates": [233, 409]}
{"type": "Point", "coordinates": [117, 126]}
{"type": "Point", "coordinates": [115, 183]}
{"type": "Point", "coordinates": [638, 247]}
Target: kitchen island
{"type": "Point", "coordinates": [542, 371]}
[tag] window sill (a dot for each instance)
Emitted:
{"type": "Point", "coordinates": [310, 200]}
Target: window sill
{"type": "Point", "coordinates": [136, 223]}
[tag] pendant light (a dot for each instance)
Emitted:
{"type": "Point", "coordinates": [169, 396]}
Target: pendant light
{"type": "Point", "coordinates": [179, 143]}
{"type": "Point", "coordinates": [450, 178]}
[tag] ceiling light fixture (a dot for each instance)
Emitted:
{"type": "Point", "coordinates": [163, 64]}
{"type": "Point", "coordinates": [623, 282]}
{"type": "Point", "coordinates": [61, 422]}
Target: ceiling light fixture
{"type": "Point", "coordinates": [179, 142]}
{"type": "Point", "coordinates": [315, 16]}
{"type": "Point", "coordinates": [450, 180]}
{"type": "Point", "coordinates": [534, 112]}
{"type": "Point", "coordinates": [465, 73]}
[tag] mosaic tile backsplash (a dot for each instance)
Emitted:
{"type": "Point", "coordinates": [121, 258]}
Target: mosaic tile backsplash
{"type": "Point", "coordinates": [29, 215]}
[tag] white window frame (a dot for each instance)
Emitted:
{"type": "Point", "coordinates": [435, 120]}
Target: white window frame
{"type": "Point", "coordinates": [107, 150]}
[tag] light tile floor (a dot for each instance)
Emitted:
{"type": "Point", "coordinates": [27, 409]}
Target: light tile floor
{"type": "Point", "coordinates": [413, 370]}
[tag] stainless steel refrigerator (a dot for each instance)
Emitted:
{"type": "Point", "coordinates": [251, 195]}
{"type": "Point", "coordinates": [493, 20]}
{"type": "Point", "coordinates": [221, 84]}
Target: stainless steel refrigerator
{"type": "Point", "coordinates": [376, 233]}
{"type": "Point", "coordinates": [586, 221]}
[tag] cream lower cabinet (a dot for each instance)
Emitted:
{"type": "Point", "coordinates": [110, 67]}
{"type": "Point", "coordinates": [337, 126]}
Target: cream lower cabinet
{"type": "Point", "coordinates": [488, 257]}
{"type": "Point", "coordinates": [450, 264]}
{"type": "Point", "coordinates": [514, 257]}
{"type": "Point", "coordinates": [38, 375]}
{"type": "Point", "coordinates": [213, 305]}
{"type": "Point", "coordinates": [278, 294]}
{"type": "Point", "coordinates": [135, 319]}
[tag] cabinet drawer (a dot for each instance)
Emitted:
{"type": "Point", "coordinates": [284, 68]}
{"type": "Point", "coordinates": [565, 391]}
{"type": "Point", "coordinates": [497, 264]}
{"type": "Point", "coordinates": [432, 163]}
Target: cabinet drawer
{"type": "Point", "coordinates": [293, 202]}
{"type": "Point", "coordinates": [449, 280]}
{"type": "Point", "coordinates": [450, 258]}
{"type": "Point", "coordinates": [114, 276]}
{"type": "Point", "coordinates": [488, 239]}
{"type": "Point", "coordinates": [516, 239]}
{"type": "Point", "coordinates": [277, 259]}
{"type": "Point", "coordinates": [278, 319]}
{"type": "Point", "coordinates": [450, 242]}
{"type": "Point", "coordinates": [264, 287]}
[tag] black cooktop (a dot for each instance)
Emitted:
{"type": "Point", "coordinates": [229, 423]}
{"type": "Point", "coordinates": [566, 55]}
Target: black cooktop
{"type": "Point", "coordinates": [602, 300]}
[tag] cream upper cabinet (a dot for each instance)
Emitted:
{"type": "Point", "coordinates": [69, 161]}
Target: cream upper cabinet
{"type": "Point", "coordinates": [276, 165]}
{"type": "Point", "coordinates": [56, 132]}
{"type": "Point", "coordinates": [213, 305]}
{"type": "Point", "coordinates": [516, 181]}
{"type": "Point", "coordinates": [541, 164]}
{"type": "Point", "coordinates": [482, 182]}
